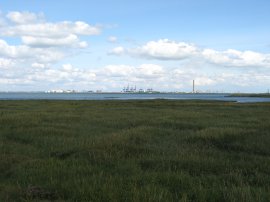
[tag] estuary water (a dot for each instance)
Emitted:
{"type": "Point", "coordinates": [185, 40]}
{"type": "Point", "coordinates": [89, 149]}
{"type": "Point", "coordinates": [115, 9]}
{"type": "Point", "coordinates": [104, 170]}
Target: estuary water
{"type": "Point", "coordinates": [127, 96]}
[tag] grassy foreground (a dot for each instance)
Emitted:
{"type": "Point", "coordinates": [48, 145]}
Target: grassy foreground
{"type": "Point", "coordinates": [134, 151]}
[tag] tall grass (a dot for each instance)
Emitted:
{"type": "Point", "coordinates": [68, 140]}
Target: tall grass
{"type": "Point", "coordinates": [134, 151]}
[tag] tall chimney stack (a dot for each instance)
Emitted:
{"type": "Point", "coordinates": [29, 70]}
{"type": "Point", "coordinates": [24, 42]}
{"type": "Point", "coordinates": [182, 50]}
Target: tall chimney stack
{"type": "Point", "coordinates": [193, 90]}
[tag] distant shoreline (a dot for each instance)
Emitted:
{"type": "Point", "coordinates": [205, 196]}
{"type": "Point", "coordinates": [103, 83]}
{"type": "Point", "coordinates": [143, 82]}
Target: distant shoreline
{"type": "Point", "coordinates": [263, 95]}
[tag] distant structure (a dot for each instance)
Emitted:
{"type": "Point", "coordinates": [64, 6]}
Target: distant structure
{"type": "Point", "coordinates": [133, 89]}
{"type": "Point", "coordinates": [141, 90]}
{"type": "Point", "coordinates": [128, 89]}
{"type": "Point", "coordinates": [149, 90]}
{"type": "Point", "coordinates": [193, 89]}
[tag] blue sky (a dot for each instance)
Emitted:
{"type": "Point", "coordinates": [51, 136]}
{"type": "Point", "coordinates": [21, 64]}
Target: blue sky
{"type": "Point", "coordinates": [92, 45]}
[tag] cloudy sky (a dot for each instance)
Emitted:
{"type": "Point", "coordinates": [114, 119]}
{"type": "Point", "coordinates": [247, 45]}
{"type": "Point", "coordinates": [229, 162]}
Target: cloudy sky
{"type": "Point", "coordinates": [105, 45]}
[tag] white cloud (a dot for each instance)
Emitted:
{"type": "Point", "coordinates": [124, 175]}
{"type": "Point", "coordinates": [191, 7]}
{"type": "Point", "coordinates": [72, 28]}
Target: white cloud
{"type": "Point", "coordinates": [13, 51]}
{"type": "Point", "coordinates": [165, 49]}
{"type": "Point", "coordinates": [150, 71]}
{"type": "Point", "coordinates": [23, 17]}
{"type": "Point", "coordinates": [46, 29]}
{"type": "Point", "coordinates": [114, 77]}
{"type": "Point", "coordinates": [117, 51]}
{"type": "Point", "coordinates": [6, 63]}
{"type": "Point", "coordinates": [112, 39]}
{"type": "Point", "coordinates": [67, 67]}
{"type": "Point", "coordinates": [67, 73]}
{"type": "Point", "coordinates": [48, 56]}
{"type": "Point", "coordinates": [116, 71]}
{"type": "Point", "coordinates": [69, 40]}
{"type": "Point", "coordinates": [83, 28]}
{"type": "Point", "coordinates": [35, 31]}
{"type": "Point", "coordinates": [204, 81]}
{"type": "Point", "coordinates": [236, 58]}
{"type": "Point", "coordinates": [43, 43]}
{"type": "Point", "coordinates": [14, 81]}
{"type": "Point", "coordinates": [146, 71]}
{"type": "Point", "coordinates": [28, 54]}
{"type": "Point", "coordinates": [38, 65]}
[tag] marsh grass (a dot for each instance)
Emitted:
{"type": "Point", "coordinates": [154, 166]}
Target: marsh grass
{"type": "Point", "coordinates": [134, 151]}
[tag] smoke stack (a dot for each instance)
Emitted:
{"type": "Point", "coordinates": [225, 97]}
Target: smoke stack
{"type": "Point", "coordinates": [193, 90]}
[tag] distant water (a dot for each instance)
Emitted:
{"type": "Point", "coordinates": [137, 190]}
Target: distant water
{"type": "Point", "coordinates": [126, 96]}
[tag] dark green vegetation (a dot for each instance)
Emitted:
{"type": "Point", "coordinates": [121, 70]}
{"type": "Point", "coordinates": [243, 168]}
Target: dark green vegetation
{"type": "Point", "coordinates": [134, 151]}
{"type": "Point", "coordinates": [250, 95]}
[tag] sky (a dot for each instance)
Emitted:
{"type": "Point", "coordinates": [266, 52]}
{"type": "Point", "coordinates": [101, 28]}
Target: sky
{"type": "Point", "coordinates": [106, 45]}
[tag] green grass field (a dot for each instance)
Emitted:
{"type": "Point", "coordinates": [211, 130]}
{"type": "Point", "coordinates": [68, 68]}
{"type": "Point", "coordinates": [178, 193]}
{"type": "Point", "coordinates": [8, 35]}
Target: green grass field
{"type": "Point", "coordinates": [134, 151]}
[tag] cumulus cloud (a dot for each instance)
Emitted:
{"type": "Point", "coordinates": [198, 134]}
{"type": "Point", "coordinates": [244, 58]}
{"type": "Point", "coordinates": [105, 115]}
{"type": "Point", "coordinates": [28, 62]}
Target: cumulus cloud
{"type": "Point", "coordinates": [115, 77]}
{"type": "Point", "coordinates": [236, 58]}
{"type": "Point", "coordinates": [68, 41]}
{"type": "Point", "coordinates": [38, 65]}
{"type": "Point", "coordinates": [150, 71]}
{"type": "Point", "coordinates": [147, 71]}
{"type": "Point", "coordinates": [14, 81]}
{"type": "Point", "coordinates": [42, 43]}
{"type": "Point", "coordinates": [9, 51]}
{"type": "Point", "coordinates": [65, 74]}
{"type": "Point", "coordinates": [48, 29]}
{"type": "Point", "coordinates": [6, 63]}
{"type": "Point", "coordinates": [165, 49]}
{"type": "Point", "coordinates": [116, 71]}
{"type": "Point", "coordinates": [160, 77]}
{"type": "Point", "coordinates": [28, 54]}
{"type": "Point", "coordinates": [117, 51]}
{"type": "Point", "coordinates": [204, 81]}
{"type": "Point", "coordinates": [112, 39]}
{"type": "Point", "coordinates": [24, 17]}
{"type": "Point", "coordinates": [35, 31]}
